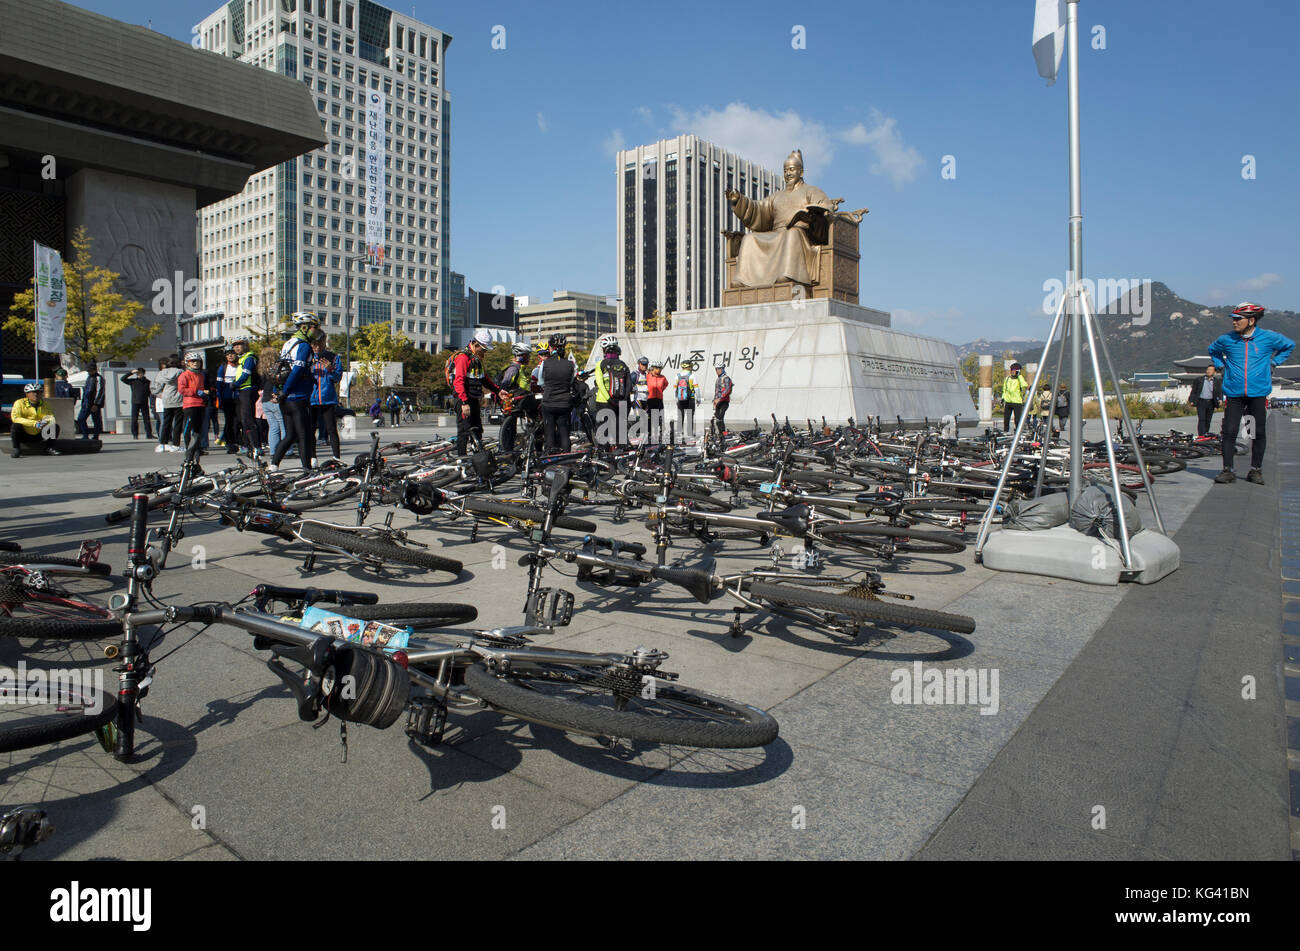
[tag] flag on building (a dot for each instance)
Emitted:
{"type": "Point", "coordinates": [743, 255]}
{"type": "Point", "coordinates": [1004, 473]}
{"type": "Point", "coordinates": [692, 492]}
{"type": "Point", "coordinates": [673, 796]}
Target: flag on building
{"type": "Point", "coordinates": [1049, 37]}
{"type": "Point", "coordinates": [51, 299]}
{"type": "Point", "coordinates": [376, 194]}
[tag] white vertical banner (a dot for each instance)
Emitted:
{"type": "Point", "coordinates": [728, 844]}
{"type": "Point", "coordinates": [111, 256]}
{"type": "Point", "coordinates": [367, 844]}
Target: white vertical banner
{"type": "Point", "coordinates": [51, 299]}
{"type": "Point", "coordinates": [1049, 37]}
{"type": "Point", "coordinates": [376, 194]}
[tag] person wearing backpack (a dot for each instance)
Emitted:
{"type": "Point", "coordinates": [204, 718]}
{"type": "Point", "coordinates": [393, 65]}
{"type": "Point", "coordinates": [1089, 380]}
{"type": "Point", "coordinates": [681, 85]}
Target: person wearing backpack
{"type": "Point", "coordinates": [684, 391]}
{"type": "Point", "coordinates": [246, 386]}
{"type": "Point", "coordinates": [394, 405]}
{"type": "Point", "coordinates": [655, 383]}
{"type": "Point", "coordinates": [1062, 409]}
{"type": "Point", "coordinates": [613, 393]}
{"type": "Point", "coordinates": [295, 391]}
{"type": "Point", "coordinates": [468, 381]}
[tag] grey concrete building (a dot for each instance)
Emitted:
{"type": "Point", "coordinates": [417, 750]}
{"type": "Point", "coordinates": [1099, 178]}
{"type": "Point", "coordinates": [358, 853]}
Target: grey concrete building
{"type": "Point", "coordinates": [580, 317]}
{"type": "Point", "coordinates": [672, 210]}
{"type": "Point", "coordinates": [294, 239]}
{"type": "Point", "coordinates": [127, 132]}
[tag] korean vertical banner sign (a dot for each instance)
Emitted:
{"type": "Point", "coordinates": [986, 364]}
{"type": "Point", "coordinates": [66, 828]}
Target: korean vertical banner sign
{"type": "Point", "coordinates": [51, 299]}
{"type": "Point", "coordinates": [376, 195]}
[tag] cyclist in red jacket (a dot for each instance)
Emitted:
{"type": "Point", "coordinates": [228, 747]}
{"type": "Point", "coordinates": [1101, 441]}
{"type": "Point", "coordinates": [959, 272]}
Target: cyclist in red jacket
{"type": "Point", "coordinates": [468, 380]}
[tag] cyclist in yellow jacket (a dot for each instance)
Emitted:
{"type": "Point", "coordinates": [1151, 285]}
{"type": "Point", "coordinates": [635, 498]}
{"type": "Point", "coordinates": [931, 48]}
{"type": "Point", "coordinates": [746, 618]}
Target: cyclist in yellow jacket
{"type": "Point", "coordinates": [1014, 390]}
{"type": "Point", "coordinates": [27, 416]}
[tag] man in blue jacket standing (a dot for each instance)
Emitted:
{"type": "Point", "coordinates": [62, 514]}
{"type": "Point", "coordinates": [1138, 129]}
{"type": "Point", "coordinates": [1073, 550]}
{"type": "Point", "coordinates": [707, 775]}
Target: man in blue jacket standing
{"type": "Point", "coordinates": [295, 394]}
{"type": "Point", "coordinates": [1247, 357]}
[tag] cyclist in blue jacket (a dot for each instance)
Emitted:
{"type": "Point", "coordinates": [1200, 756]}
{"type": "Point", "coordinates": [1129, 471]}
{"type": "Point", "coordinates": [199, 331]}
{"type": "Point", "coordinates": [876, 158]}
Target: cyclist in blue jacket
{"type": "Point", "coordinates": [295, 394]}
{"type": "Point", "coordinates": [327, 371]}
{"type": "Point", "coordinates": [1246, 358]}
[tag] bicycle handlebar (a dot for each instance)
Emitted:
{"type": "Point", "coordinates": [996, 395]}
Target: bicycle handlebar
{"type": "Point", "coordinates": [309, 596]}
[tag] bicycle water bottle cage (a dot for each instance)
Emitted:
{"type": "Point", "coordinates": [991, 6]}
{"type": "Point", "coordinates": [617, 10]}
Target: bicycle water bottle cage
{"type": "Point", "coordinates": [793, 519]}
{"type": "Point", "coordinates": [549, 607]}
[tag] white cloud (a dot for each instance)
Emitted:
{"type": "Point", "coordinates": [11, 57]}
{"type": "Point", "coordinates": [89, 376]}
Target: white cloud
{"type": "Point", "coordinates": [542, 124]}
{"type": "Point", "coordinates": [758, 135]}
{"type": "Point", "coordinates": [645, 114]}
{"type": "Point", "coordinates": [1259, 282]}
{"type": "Point", "coordinates": [894, 159]}
{"type": "Point", "coordinates": [613, 143]}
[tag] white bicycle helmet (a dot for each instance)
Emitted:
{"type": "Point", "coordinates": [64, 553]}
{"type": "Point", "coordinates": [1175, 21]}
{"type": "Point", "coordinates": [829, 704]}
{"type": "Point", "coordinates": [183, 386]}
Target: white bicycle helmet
{"type": "Point", "coordinates": [304, 318]}
{"type": "Point", "coordinates": [33, 388]}
{"type": "Point", "coordinates": [239, 336]}
{"type": "Point", "coordinates": [607, 342]}
{"type": "Point", "coordinates": [194, 356]}
{"type": "Point", "coordinates": [483, 338]}
{"type": "Point", "coordinates": [521, 349]}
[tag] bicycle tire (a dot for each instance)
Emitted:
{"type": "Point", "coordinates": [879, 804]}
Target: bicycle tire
{"type": "Point", "coordinates": [414, 614]}
{"type": "Point", "coordinates": [35, 728]}
{"type": "Point", "coordinates": [526, 513]}
{"type": "Point", "coordinates": [861, 536]}
{"type": "Point", "coordinates": [92, 627]}
{"type": "Point", "coordinates": [380, 549]}
{"type": "Point", "coordinates": [941, 511]}
{"type": "Point", "coordinates": [25, 558]}
{"type": "Point", "coordinates": [743, 725]}
{"type": "Point", "coordinates": [157, 485]}
{"type": "Point", "coordinates": [861, 608]}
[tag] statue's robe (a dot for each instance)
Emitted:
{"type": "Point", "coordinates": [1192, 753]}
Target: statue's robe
{"type": "Point", "coordinates": [772, 251]}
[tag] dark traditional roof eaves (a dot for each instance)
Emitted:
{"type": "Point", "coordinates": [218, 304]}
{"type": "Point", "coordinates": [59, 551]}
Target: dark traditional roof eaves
{"type": "Point", "coordinates": [66, 63]}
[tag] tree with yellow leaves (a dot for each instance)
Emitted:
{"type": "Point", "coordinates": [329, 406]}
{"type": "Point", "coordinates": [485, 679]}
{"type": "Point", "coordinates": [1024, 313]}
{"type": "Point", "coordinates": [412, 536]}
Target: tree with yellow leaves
{"type": "Point", "coordinates": [102, 323]}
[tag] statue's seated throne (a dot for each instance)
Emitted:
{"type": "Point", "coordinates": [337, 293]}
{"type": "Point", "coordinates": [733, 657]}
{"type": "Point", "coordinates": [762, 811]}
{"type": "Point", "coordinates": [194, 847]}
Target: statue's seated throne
{"type": "Point", "coordinates": [834, 236]}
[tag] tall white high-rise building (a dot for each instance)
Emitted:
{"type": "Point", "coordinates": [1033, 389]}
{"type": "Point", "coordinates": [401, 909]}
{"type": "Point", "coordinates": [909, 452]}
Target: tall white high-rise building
{"type": "Point", "coordinates": [295, 238]}
{"type": "Point", "coordinates": [672, 210]}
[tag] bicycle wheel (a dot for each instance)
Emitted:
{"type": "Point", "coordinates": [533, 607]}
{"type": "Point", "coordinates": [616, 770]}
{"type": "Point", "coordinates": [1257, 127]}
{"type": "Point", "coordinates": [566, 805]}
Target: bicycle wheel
{"type": "Point", "coordinates": [72, 713]}
{"type": "Point", "coordinates": [30, 558]}
{"type": "Point", "coordinates": [871, 537]}
{"type": "Point", "coordinates": [27, 613]}
{"type": "Point", "coordinates": [949, 513]}
{"type": "Point", "coordinates": [606, 701]}
{"type": "Point", "coordinates": [864, 609]}
{"type": "Point", "coordinates": [524, 513]}
{"type": "Point", "coordinates": [378, 550]}
{"type": "Point", "coordinates": [413, 614]}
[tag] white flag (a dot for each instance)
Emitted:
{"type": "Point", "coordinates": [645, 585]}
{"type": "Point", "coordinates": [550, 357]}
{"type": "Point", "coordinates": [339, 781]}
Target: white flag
{"type": "Point", "coordinates": [1049, 37]}
{"type": "Point", "coordinates": [51, 299]}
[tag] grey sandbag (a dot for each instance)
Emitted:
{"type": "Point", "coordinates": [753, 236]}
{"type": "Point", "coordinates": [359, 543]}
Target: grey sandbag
{"type": "Point", "coordinates": [1093, 513]}
{"type": "Point", "coordinates": [1034, 515]}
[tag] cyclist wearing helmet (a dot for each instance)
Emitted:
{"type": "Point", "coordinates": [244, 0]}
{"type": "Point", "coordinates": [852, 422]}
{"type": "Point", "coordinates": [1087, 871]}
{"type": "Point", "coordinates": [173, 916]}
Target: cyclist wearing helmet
{"type": "Point", "coordinates": [1246, 356]}
{"type": "Point", "coordinates": [246, 386]}
{"type": "Point", "coordinates": [28, 415]}
{"type": "Point", "coordinates": [295, 394]}
{"type": "Point", "coordinates": [613, 394]}
{"type": "Point", "coordinates": [557, 379]}
{"type": "Point", "coordinates": [721, 398]}
{"type": "Point", "coordinates": [515, 400]}
{"type": "Point", "coordinates": [467, 385]}
{"type": "Point", "coordinates": [228, 401]}
{"type": "Point", "coordinates": [192, 386]}
{"type": "Point", "coordinates": [1014, 389]}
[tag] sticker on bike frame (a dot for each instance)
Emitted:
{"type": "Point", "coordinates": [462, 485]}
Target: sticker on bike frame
{"type": "Point", "coordinates": [366, 633]}
{"type": "Point", "coordinates": [767, 488]}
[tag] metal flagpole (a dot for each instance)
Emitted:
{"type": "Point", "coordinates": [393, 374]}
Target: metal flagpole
{"type": "Point", "coordinates": [1076, 253]}
{"type": "Point", "coordinates": [1117, 498]}
{"type": "Point", "coordinates": [1128, 424]}
{"type": "Point", "coordinates": [987, 521]}
{"type": "Point", "coordinates": [36, 311]}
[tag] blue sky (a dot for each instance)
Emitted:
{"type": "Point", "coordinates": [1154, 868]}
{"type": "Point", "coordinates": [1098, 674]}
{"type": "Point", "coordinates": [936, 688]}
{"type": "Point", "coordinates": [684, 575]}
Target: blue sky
{"type": "Point", "coordinates": [882, 92]}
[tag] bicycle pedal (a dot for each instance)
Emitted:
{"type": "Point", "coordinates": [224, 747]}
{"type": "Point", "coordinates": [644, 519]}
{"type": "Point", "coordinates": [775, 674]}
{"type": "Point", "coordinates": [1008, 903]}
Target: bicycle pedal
{"type": "Point", "coordinates": [550, 607]}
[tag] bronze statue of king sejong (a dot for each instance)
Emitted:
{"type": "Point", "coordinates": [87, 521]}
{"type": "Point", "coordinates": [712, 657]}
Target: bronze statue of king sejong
{"type": "Point", "coordinates": [784, 231]}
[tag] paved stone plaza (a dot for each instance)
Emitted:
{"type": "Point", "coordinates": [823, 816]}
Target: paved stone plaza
{"type": "Point", "coordinates": [1128, 698]}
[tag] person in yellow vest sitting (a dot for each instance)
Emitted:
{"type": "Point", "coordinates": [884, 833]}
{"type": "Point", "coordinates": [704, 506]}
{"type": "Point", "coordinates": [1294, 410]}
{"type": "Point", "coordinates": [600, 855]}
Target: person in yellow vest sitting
{"type": "Point", "coordinates": [1014, 390]}
{"type": "Point", "coordinates": [33, 422]}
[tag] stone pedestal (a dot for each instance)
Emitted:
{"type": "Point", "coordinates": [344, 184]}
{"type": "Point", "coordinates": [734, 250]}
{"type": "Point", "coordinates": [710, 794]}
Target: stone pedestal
{"type": "Point", "coordinates": [808, 359]}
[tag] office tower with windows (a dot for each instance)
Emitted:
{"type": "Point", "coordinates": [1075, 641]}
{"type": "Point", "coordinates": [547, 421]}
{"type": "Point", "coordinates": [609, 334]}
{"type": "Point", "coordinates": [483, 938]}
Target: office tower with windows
{"type": "Point", "coordinates": [295, 238]}
{"type": "Point", "coordinates": [672, 210]}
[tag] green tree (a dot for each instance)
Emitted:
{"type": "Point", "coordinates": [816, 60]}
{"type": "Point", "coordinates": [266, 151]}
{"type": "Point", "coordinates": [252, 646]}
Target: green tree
{"type": "Point", "coordinates": [102, 323]}
{"type": "Point", "coordinates": [373, 346]}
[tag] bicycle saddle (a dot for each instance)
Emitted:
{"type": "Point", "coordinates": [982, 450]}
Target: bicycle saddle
{"type": "Point", "coordinates": [793, 519]}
